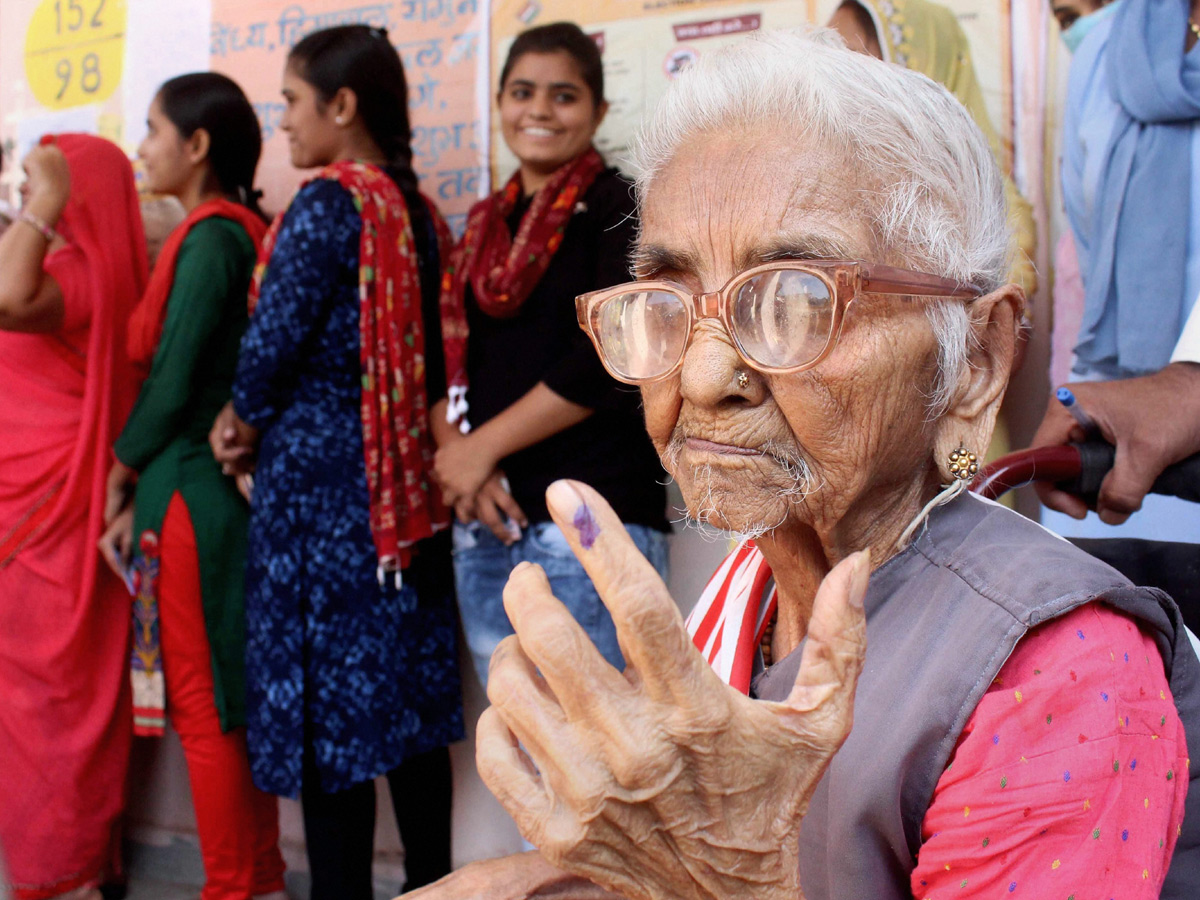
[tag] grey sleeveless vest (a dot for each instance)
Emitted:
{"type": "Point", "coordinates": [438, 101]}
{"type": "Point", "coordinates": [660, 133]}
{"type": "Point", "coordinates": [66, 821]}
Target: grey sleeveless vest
{"type": "Point", "coordinates": [942, 618]}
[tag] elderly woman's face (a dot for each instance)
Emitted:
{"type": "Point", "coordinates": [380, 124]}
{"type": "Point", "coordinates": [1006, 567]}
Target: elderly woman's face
{"type": "Point", "coordinates": [750, 451]}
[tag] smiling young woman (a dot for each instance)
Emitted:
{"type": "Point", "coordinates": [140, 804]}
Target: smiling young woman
{"type": "Point", "coordinates": [541, 403]}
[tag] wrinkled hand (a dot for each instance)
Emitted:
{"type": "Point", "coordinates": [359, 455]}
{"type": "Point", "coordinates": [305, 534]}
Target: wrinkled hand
{"type": "Point", "coordinates": [116, 544]}
{"type": "Point", "coordinates": [121, 479]}
{"type": "Point", "coordinates": [461, 468]}
{"type": "Point", "coordinates": [523, 876]}
{"type": "Point", "coordinates": [1153, 421]}
{"type": "Point", "coordinates": [233, 442]}
{"type": "Point", "coordinates": [660, 781]}
{"type": "Point", "coordinates": [49, 184]}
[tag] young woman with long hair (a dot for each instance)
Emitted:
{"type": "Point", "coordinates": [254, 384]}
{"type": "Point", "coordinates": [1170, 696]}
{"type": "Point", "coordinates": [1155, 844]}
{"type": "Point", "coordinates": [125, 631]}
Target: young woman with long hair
{"type": "Point", "coordinates": [352, 664]}
{"type": "Point", "coordinates": [540, 403]}
{"type": "Point", "coordinates": [184, 533]}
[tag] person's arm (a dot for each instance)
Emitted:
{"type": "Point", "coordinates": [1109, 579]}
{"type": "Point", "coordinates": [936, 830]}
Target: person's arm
{"type": "Point", "coordinates": [211, 266]}
{"type": "Point", "coordinates": [463, 465]}
{"type": "Point", "coordinates": [1070, 776]}
{"type": "Point", "coordinates": [315, 254]}
{"type": "Point", "coordinates": [1153, 421]}
{"type": "Point", "coordinates": [30, 300]}
{"type": "Point", "coordinates": [573, 387]}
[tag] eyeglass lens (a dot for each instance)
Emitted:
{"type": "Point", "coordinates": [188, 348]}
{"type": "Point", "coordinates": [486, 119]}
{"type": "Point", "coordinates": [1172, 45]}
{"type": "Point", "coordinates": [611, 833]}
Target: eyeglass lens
{"type": "Point", "coordinates": [781, 318]}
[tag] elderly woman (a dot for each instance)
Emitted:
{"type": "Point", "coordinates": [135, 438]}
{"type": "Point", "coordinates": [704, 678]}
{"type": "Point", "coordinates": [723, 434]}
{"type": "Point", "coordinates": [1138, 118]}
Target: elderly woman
{"type": "Point", "coordinates": [822, 332]}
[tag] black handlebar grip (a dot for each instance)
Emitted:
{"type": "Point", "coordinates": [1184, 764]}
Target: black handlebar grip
{"type": "Point", "coordinates": [1096, 460]}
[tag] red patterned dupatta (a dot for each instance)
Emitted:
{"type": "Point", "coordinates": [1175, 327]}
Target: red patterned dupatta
{"type": "Point", "coordinates": [397, 444]}
{"type": "Point", "coordinates": [503, 270]}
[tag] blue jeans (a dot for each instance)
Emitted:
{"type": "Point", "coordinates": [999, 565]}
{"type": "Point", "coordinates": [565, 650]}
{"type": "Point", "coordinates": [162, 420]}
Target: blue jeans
{"type": "Point", "coordinates": [481, 567]}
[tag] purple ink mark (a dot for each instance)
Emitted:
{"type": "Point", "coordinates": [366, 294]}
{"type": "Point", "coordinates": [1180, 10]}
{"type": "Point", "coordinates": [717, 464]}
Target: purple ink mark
{"type": "Point", "coordinates": [587, 526]}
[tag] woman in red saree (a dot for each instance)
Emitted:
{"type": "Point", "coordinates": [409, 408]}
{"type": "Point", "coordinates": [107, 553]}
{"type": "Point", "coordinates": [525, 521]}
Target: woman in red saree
{"type": "Point", "coordinates": [71, 269]}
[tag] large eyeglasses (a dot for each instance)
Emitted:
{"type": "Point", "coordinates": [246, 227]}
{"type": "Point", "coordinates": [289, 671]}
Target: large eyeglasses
{"type": "Point", "coordinates": [783, 316]}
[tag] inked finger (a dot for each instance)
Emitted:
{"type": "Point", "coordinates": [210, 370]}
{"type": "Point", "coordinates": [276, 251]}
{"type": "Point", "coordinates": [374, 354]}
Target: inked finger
{"type": "Point", "coordinates": [557, 645]}
{"type": "Point", "coordinates": [834, 649]}
{"type": "Point", "coordinates": [649, 627]}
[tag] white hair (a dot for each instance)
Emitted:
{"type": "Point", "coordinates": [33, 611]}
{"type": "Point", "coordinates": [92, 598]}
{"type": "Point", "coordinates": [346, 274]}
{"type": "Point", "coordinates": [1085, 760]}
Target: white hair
{"type": "Point", "coordinates": [937, 201]}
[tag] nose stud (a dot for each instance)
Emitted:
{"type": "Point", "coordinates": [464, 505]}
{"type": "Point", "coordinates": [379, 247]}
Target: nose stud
{"type": "Point", "coordinates": [743, 380]}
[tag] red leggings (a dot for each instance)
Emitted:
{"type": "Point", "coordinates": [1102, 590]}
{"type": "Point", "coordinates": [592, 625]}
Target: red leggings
{"type": "Point", "coordinates": [238, 824]}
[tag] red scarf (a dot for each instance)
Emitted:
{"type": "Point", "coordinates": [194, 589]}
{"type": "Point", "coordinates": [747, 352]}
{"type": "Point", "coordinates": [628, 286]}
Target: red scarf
{"type": "Point", "coordinates": [146, 323]}
{"type": "Point", "coordinates": [397, 444]}
{"type": "Point", "coordinates": [503, 270]}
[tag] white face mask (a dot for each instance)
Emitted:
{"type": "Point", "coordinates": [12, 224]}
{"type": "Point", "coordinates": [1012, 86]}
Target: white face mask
{"type": "Point", "coordinates": [1079, 29]}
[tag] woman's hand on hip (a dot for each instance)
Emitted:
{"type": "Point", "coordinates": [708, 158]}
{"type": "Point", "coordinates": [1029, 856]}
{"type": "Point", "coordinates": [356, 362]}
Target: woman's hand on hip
{"type": "Point", "coordinates": [660, 781]}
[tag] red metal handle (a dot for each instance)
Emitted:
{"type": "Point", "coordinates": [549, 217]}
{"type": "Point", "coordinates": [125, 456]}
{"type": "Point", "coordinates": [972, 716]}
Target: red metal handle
{"type": "Point", "coordinates": [1051, 464]}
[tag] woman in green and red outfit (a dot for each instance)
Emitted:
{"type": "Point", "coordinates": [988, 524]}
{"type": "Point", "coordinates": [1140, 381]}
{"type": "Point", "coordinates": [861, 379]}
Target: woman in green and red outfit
{"type": "Point", "coordinates": [186, 527]}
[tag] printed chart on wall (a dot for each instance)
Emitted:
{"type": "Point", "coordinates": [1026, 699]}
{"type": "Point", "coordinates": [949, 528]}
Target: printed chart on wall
{"type": "Point", "coordinates": [442, 45]}
{"type": "Point", "coordinates": [64, 73]}
{"type": "Point", "coordinates": [644, 43]}
{"type": "Point", "coordinates": [90, 66]}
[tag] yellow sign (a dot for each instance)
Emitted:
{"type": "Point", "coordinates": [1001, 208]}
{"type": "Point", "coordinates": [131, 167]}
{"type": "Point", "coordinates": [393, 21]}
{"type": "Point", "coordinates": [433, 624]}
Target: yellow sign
{"type": "Point", "coordinates": [74, 51]}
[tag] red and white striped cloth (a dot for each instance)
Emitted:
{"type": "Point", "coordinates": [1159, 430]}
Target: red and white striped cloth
{"type": "Point", "coordinates": [729, 621]}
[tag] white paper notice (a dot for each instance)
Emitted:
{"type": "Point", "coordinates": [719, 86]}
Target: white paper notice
{"type": "Point", "coordinates": [165, 38]}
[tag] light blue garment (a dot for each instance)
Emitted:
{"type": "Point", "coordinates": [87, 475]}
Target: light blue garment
{"type": "Point", "coordinates": [482, 565]}
{"type": "Point", "coordinates": [1128, 149]}
{"type": "Point", "coordinates": [1082, 26]}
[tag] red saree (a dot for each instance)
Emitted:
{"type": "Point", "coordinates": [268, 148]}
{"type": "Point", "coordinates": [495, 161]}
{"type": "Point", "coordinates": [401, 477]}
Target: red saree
{"type": "Point", "coordinates": [65, 722]}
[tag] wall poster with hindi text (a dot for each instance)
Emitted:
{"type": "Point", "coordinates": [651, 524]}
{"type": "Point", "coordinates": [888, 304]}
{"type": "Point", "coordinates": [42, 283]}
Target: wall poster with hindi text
{"type": "Point", "coordinates": [443, 46]}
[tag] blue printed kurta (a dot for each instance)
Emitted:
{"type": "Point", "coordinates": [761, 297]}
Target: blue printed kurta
{"type": "Point", "coordinates": [356, 675]}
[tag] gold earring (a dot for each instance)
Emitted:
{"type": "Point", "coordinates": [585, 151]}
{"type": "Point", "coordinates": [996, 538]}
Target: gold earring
{"type": "Point", "coordinates": [963, 463]}
{"type": "Point", "coordinates": [743, 380]}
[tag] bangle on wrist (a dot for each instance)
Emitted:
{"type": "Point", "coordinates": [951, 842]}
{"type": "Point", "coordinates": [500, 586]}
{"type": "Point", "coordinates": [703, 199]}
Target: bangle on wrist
{"type": "Point", "coordinates": [38, 224]}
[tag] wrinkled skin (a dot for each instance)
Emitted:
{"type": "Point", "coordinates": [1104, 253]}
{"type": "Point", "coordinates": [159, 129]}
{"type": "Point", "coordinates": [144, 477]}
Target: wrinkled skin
{"type": "Point", "coordinates": [653, 783]}
{"type": "Point", "coordinates": [662, 782]}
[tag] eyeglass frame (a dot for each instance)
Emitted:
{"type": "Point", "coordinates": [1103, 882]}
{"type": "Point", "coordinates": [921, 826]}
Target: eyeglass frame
{"type": "Point", "coordinates": [844, 277]}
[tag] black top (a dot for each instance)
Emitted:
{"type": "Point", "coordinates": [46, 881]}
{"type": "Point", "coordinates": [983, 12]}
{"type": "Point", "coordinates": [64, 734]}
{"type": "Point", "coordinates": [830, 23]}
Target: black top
{"type": "Point", "coordinates": [543, 342]}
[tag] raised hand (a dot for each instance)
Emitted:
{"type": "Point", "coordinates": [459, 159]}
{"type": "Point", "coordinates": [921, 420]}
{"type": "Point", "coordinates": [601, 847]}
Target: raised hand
{"type": "Point", "coordinates": [660, 781]}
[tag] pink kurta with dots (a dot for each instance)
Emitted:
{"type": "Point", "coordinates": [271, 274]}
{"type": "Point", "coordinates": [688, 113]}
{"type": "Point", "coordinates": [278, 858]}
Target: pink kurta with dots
{"type": "Point", "coordinates": [1069, 778]}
